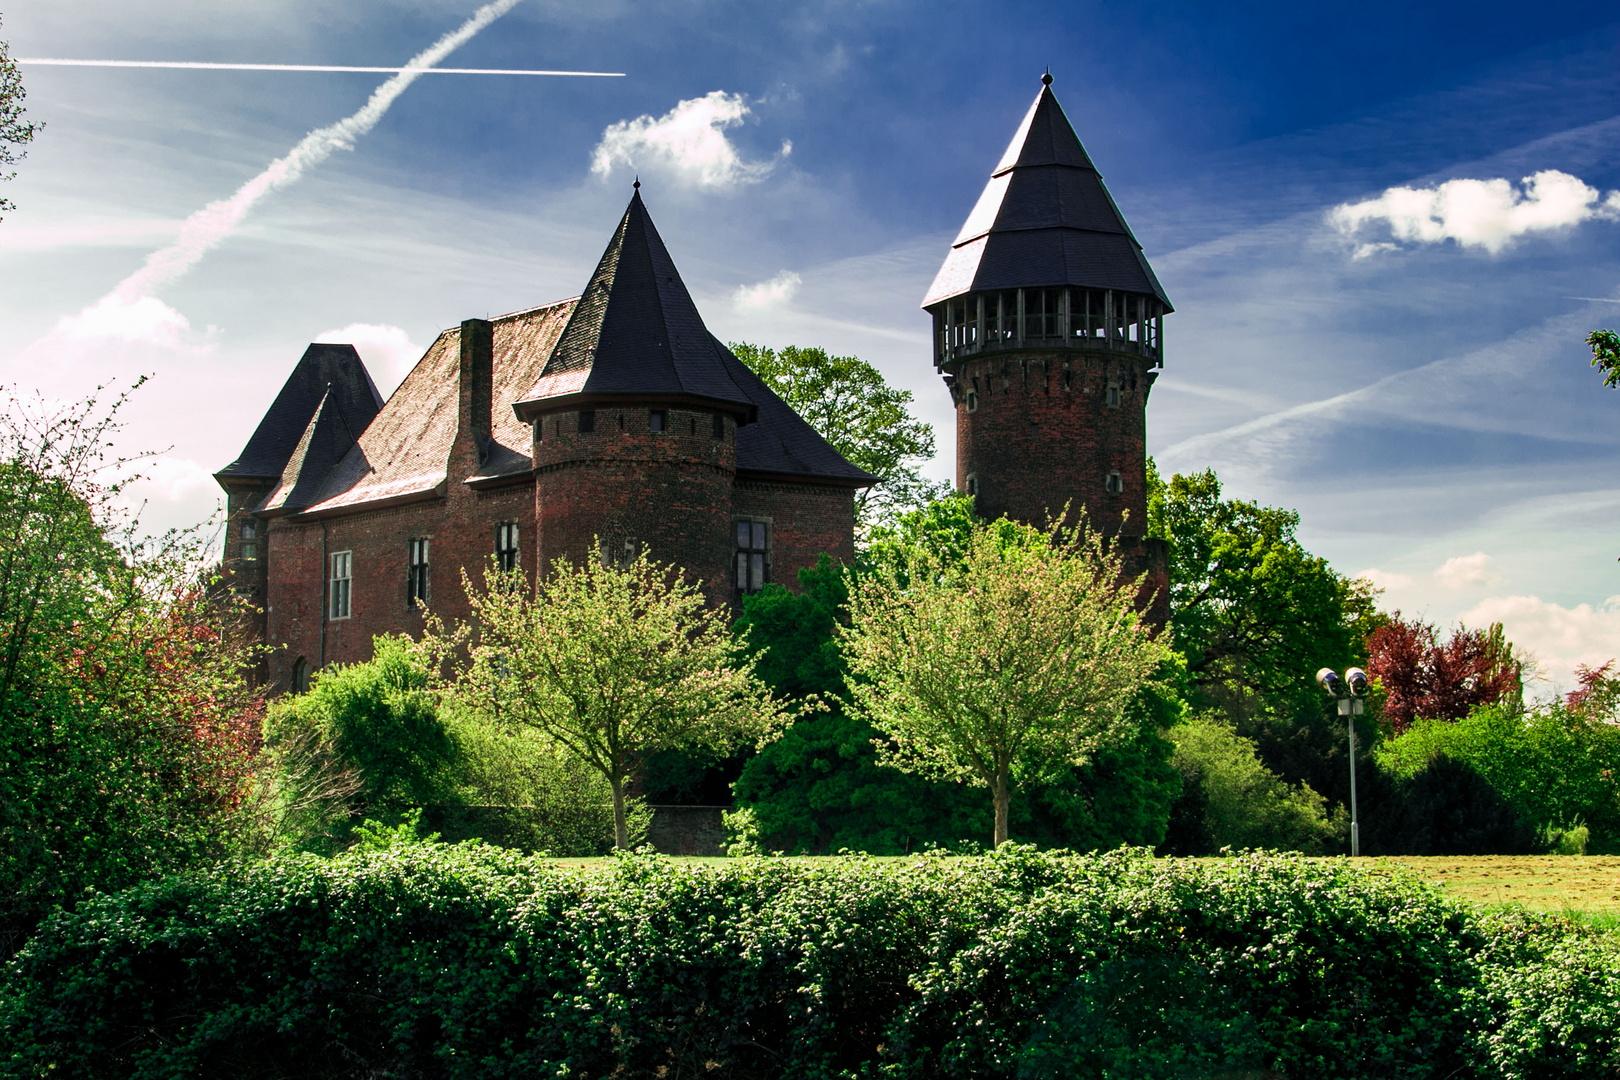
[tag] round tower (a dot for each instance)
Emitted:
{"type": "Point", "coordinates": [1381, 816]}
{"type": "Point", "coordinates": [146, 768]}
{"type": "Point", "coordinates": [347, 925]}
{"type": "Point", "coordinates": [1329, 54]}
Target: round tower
{"type": "Point", "coordinates": [1048, 330]}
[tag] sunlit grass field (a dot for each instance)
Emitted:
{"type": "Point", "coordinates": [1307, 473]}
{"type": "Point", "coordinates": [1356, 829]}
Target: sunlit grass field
{"type": "Point", "coordinates": [1582, 886]}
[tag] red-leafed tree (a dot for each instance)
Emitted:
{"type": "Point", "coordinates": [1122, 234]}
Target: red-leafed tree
{"type": "Point", "coordinates": [1423, 675]}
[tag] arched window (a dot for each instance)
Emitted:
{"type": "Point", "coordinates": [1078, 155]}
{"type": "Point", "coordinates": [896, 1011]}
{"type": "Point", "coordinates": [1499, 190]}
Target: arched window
{"type": "Point", "coordinates": [300, 676]}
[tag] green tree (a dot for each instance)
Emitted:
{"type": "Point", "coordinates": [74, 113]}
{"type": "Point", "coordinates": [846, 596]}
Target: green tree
{"type": "Point", "coordinates": [1606, 355]}
{"type": "Point", "coordinates": [1241, 803]}
{"type": "Point", "coordinates": [127, 729]}
{"type": "Point", "coordinates": [869, 422]}
{"type": "Point", "coordinates": [613, 663]}
{"type": "Point", "coordinates": [998, 667]}
{"type": "Point", "coordinates": [15, 132]}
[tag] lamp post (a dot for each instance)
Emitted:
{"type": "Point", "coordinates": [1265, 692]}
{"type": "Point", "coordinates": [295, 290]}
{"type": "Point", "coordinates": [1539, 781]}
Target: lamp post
{"type": "Point", "coordinates": [1351, 693]}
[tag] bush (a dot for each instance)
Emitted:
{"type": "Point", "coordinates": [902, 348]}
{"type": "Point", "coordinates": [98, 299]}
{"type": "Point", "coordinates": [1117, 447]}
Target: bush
{"type": "Point", "coordinates": [1230, 799]}
{"type": "Point", "coordinates": [467, 961]}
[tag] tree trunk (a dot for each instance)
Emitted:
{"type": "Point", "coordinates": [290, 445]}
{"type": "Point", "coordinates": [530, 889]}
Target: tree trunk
{"type": "Point", "coordinates": [1003, 797]}
{"type": "Point", "coordinates": [621, 831]}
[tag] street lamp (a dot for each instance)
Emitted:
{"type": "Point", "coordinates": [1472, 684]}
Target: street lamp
{"type": "Point", "coordinates": [1351, 693]}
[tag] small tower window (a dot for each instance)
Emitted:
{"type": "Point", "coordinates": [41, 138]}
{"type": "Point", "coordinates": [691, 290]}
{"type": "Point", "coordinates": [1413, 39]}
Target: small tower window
{"type": "Point", "coordinates": [300, 676]}
{"type": "Point", "coordinates": [587, 421]}
{"type": "Point", "coordinates": [658, 420]}
{"type": "Point", "coordinates": [1113, 395]}
{"type": "Point", "coordinates": [416, 574]}
{"type": "Point", "coordinates": [506, 545]}
{"type": "Point", "coordinates": [250, 539]}
{"type": "Point", "coordinates": [338, 584]}
{"type": "Point", "coordinates": [753, 555]}
{"type": "Point", "coordinates": [719, 426]}
{"type": "Point", "coordinates": [972, 401]}
{"type": "Point", "coordinates": [972, 483]}
{"type": "Point", "coordinates": [1114, 485]}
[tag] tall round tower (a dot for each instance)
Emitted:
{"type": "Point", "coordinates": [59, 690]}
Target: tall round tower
{"type": "Point", "coordinates": [1048, 330]}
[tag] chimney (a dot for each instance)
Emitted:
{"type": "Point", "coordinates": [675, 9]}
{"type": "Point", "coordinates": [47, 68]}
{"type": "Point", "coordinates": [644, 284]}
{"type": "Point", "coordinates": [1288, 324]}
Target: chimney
{"type": "Point", "coordinates": [476, 387]}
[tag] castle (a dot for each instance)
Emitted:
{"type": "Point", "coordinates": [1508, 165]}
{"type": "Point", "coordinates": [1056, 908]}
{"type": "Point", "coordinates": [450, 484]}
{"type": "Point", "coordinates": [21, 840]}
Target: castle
{"type": "Point", "coordinates": [614, 422]}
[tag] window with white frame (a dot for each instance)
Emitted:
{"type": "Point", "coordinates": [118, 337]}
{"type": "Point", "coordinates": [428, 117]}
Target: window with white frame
{"type": "Point", "coordinates": [338, 585]}
{"type": "Point", "coordinates": [416, 574]}
{"type": "Point", "coordinates": [506, 545]}
{"type": "Point", "coordinates": [753, 555]}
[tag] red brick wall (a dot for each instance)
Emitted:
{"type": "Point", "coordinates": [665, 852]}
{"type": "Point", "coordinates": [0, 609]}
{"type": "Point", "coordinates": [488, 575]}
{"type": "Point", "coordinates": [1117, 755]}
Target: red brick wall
{"type": "Point", "coordinates": [1043, 435]}
{"type": "Point", "coordinates": [805, 520]}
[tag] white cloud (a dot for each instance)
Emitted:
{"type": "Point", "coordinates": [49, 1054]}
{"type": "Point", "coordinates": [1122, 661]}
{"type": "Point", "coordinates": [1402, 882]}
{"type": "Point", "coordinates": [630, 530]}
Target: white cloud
{"type": "Point", "coordinates": [138, 320]}
{"type": "Point", "coordinates": [1386, 579]}
{"type": "Point", "coordinates": [172, 479]}
{"type": "Point", "coordinates": [689, 141]}
{"type": "Point", "coordinates": [388, 351]}
{"type": "Point", "coordinates": [777, 290]}
{"type": "Point", "coordinates": [1560, 637]}
{"type": "Point", "coordinates": [1461, 571]}
{"type": "Point", "coordinates": [1489, 214]}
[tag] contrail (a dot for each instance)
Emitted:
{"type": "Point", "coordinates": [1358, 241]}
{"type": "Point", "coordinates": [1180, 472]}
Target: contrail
{"type": "Point", "coordinates": [204, 66]}
{"type": "Point", "coordinates": [209, 226]}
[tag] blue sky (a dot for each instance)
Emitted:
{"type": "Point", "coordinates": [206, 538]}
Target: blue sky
{"type": "Point", "coordinates": [1406, 369]}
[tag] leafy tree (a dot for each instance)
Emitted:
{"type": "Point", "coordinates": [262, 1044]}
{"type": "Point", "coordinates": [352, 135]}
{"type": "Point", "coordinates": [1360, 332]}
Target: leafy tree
{"type": "Point", "coordinates": [865, 419]}
{"type": "Point", "coordinates": [1606, 355]}
{"type": "Point", "coordinates": [15, 132]}
{"type": "Point", "coordinates": [998, 667]}
{"type": "Point", "coordinates": [1443, 680]}
{"type": "Point", "coordinates": [791, 635]}
{"type": "Point", "coordinates": [613, 663]}
{"type": "Point", "coordinates": [1238, 801]}
{"type": "Point", "coordinates": [1255, 615]}
{"type": "Point", "coordinates": [127, 730]}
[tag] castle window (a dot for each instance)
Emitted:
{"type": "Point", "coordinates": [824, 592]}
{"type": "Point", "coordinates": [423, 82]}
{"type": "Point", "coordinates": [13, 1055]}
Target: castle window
{"type": "Point", "coordinates": [719, 426]}
{"type": "Point", "coordinates": [658, 420]}
{"type": "Point", "coordinates": [338, 585]}
{"type": "Point", "coordinates": [1113, 395]}
{"type": "Point", "coordinates": [972, 483]}
{"type": "Point", "coordinates": [300, 676]}
{"type": "Point", "coordinates": [693, 430]}
{"type": "Point", "coordinates": [753, 556]}
{"type": "Point", "coordinates": [416, 574]}
{"type": "Point", "coordinates": [1113, 484]}
{"type": "Point", "coordinates": [587, 421]}
{"type": "Point", "coordinates": [1041, 313]}
{"type": "Point", "coordinates": [250, 539]}
{"type": "Point", "coordinates": [972, 401]}
{"type": "Point", "coordinates": [506, 545]}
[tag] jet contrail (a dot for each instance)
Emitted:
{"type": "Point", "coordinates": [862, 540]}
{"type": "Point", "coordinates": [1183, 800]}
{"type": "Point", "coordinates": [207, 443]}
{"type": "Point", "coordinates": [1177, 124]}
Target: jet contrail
{"type": "Point", "coordinates": [206, 228]}
{"type": "Point", "coordinates": [204, 66]}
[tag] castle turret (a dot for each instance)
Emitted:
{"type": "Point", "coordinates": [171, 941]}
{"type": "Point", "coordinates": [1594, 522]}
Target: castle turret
{"type": "Point", "coordinates": [1048, 330]}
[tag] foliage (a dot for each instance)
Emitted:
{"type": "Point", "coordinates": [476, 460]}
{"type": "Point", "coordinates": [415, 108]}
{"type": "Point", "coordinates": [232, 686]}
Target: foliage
{"type": "Point", "coordinates": [1237, 802]}
{"type": "Point", "coordinates": [866, 420]}
{"type": "Point", "coordinates": [1558, 767]}
{"type": "Point", "coordinates": [1255, 615]}
{"type": "Point", "coordinates": [465, 961]}
{"type": "Point", "coordinates": [15, 132]}
{"type": "Point", "coordinates": [1442, 680]}
{"type": "Point", "coordinates": [1444, 808]}
{"type": "Point", "coordinates": [1019, 658]}
{"type": "Point", "coordinates": [791, 634]}
{"type": "Point", "coordinates": [1606, 355]}
{"type": "Point", "coordinates": [610, 662]}
{"type": "Point", "coordinates": [127, 731]}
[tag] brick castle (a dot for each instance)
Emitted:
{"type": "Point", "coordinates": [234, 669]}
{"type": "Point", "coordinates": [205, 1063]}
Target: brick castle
{"type": "Point", "coordinates": [614, 421]}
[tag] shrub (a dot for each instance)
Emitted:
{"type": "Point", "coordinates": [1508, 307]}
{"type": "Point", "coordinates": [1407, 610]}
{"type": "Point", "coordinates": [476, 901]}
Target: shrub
{"type": "Point", "coordinates": [467, 961]}
{"type": "Point", "coordinates": [1230, 799]}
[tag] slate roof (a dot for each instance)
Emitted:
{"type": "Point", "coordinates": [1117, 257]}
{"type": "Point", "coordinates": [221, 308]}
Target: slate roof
{"type": "Point", "coordinates": [405, 452]}
{"type": "Point", "coordinates": [1045, 218]}
{"type": "Point", "coordinates": [635, 331]}
{"type": "Point", "coordinates": [334, 371]}
{"type": "Point", "coordinates": [326, 439]}
{"type": "Point", "coordinates": [780, 442]}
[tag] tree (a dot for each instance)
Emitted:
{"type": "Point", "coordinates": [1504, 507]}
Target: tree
{"type": "Point", "coordinates": [866, 420]}
{"type": "Point", "coordinates": [1240, 803]}
{"type": "Point", "coordinates": [1019, 658]}
{"type": "Point", "coordinates": [15, 132]}
{"type": "Point", "coordinates": [1423, 676]}
{"type": "Point", "coordinates": [612, 662]}
{"type": "Point", "coordinates": [1606, 355]}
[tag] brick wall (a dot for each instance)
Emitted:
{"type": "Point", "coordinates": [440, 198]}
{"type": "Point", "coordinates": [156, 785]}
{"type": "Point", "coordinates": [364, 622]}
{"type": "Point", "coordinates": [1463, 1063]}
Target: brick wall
{"type": "Point", "coordinates": [805, 520]}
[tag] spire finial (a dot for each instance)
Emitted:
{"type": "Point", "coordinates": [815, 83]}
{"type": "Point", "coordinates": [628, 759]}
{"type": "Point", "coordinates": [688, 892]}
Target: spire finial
{"type": "Point", "coordinates": [1046, 79]}
{"type": "Point", "coordinates": [637, 184]}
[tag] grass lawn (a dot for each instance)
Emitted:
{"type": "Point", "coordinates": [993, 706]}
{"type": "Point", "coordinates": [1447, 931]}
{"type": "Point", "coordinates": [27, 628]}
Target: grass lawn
{"type": "Point", "coordinates": [1584, 884]}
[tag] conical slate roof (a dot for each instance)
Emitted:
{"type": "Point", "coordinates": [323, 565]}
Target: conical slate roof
{"type": "Point", "coordinates": [635, 330]}
{"type": "Point", "coordinates": [323, 370]}
{"type": "Point", "coordinates": [1045, 219]}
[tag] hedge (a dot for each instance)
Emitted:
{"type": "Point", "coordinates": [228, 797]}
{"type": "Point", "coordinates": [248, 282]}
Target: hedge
{"type": "Point", "coordinates": [434, 960]}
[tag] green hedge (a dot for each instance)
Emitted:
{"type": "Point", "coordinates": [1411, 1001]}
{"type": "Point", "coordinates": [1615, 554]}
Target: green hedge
{"type": "Point", "coordinates": [467, 961]}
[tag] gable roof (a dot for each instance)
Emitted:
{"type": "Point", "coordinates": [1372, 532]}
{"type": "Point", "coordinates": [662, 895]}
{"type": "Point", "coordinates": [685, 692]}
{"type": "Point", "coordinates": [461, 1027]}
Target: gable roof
{"type": "Point", "coordinates": [1045, 218]}
{"type": "Point", "coordinates": [404, 453]}
{"type": "Point", "coordinates": [635, 331]}
{"type": "Point", "coordinates": [324, 370]}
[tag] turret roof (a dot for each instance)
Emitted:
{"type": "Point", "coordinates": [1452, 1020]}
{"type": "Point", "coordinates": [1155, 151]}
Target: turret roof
{"type": "Point", "coordinates": [1045, 218]}
{"type": "Point", "coordinates": [323, 370]}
